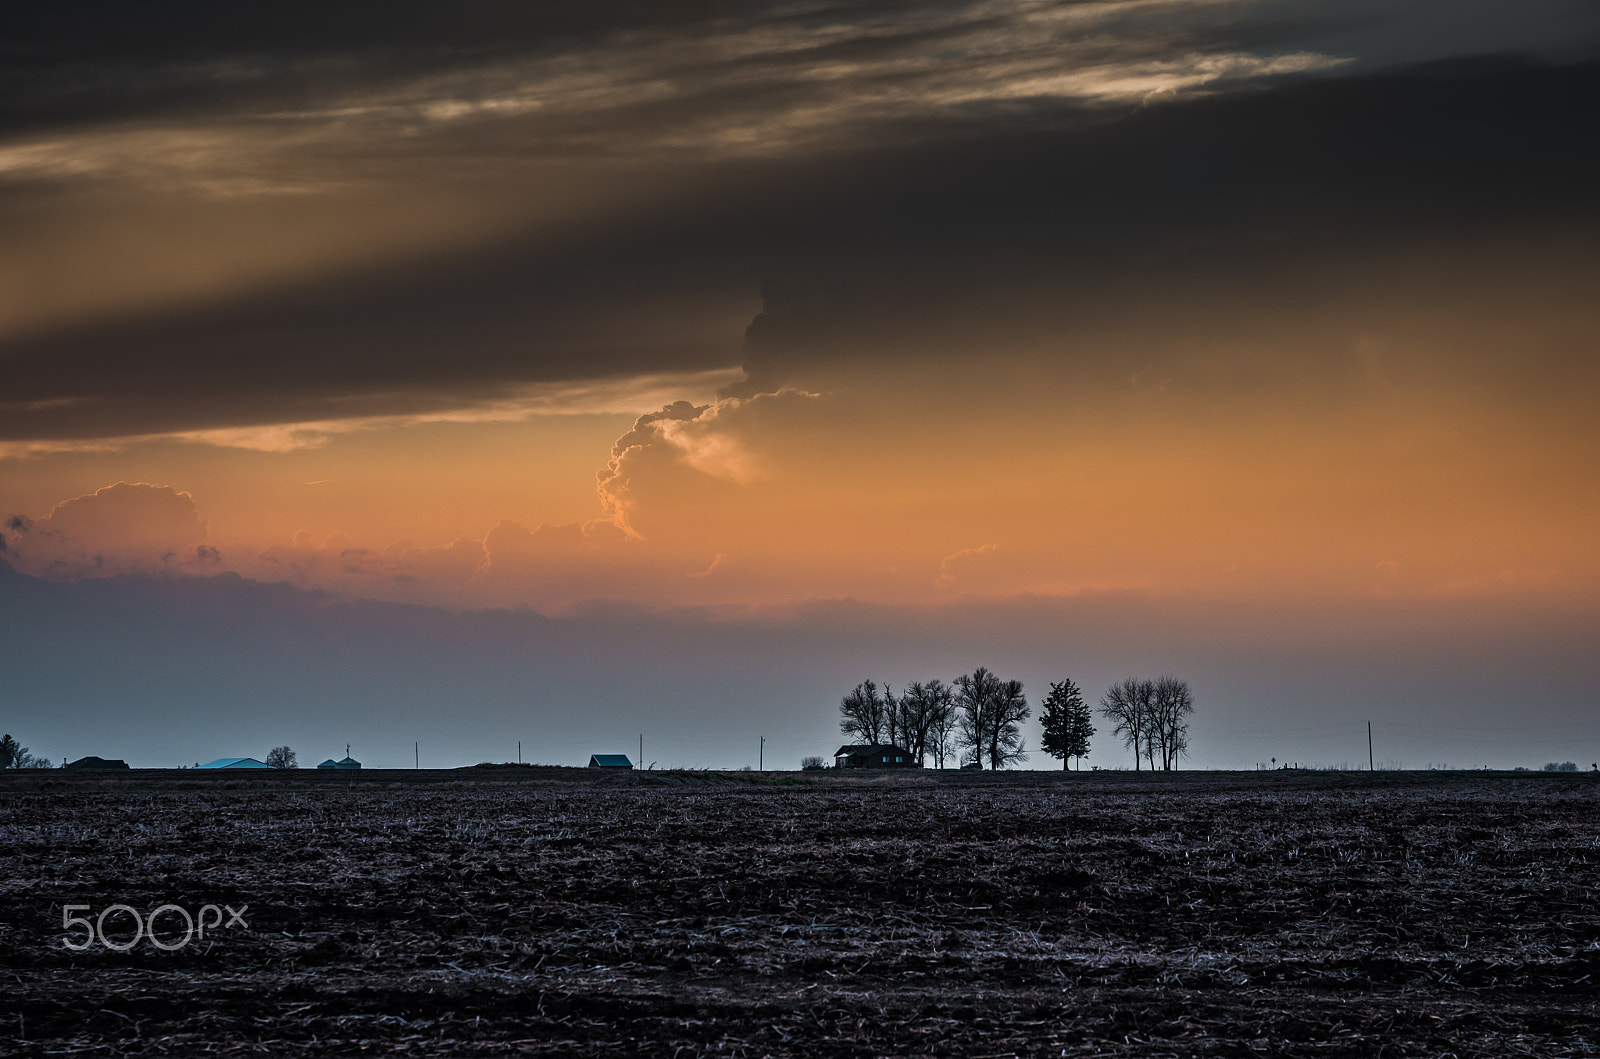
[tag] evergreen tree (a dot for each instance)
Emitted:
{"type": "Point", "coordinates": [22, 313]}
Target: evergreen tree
{"type": "Point", "coordinates": [1068, 724]}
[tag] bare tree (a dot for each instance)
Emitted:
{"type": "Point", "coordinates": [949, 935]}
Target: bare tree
{"type": "Point", "coordinates": [893, 719]}
{"type": "Point", "coordinates": [942, 725]}
{"type": "Point", "coordinates": [282, 757]}
{"type": "Point", "coordinates": [926, 711]}
{"type": "Point", "coordinates": [1171, 703]}
{"type": "Point", "coordinates": [1006, 743]}
{"type": "Point", "coordinates": [1127, 705]}
{"type": "Point", "coordinates": [992, 713]}
{"type": "Point", "coordinates": [975, 695]}
{"type": "Point", "coordinates": [863, 713]}
{"type": "Point", "coordinates": [1067, 722]}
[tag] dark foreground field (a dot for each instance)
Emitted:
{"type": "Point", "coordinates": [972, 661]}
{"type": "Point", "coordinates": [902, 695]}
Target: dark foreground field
{"type": "Point", "coordinates": [558, 912]}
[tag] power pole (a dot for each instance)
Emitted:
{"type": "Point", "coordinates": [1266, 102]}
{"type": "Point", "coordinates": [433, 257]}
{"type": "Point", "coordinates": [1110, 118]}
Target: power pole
{"type": "Point", "coordinates": [641, 750]}
{"type": "Point", "coordinates": [1369, 747]}
{"type": "Point", "coordinates": [519, 751]}
{"type": "Point", "coordinates": [416, 755]}
{"type": "Point", "coordinates": [761, 756]}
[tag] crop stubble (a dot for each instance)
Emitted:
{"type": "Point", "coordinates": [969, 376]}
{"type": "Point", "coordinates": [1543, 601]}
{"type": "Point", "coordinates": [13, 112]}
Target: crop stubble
{"type": "Point", "coordinates": [553, 911]}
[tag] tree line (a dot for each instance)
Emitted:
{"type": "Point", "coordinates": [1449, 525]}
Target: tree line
{"type": "Point", "coordinates": [978, 719]}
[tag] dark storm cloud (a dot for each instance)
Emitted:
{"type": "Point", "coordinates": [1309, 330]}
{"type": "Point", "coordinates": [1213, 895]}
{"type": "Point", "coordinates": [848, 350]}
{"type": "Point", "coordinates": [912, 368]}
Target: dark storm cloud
{"type": "Point", "coordinates": [894, 177]}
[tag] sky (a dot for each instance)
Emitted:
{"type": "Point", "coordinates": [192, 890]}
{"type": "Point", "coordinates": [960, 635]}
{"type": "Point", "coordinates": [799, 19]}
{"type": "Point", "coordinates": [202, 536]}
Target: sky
{"type": "Point", "coordinates": [431, 379]}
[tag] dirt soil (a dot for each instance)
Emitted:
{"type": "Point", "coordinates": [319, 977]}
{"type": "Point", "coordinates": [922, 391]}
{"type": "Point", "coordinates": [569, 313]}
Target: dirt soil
{"type": "Point", "coordinates": [556, 911]}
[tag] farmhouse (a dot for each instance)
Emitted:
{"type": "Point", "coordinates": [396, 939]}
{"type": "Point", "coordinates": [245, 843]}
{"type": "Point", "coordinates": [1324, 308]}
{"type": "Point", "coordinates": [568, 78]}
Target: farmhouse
{"type": "Point", "coordinates": [874, 756]}
{"type": "Point", "coordinates": [92, 762]}
{"type": "Point", "coordinates": [609, 761]}
{"type": "Point", "coordinates": [234, 763]}
{"type": "Point", "coordinates": [342, 763]}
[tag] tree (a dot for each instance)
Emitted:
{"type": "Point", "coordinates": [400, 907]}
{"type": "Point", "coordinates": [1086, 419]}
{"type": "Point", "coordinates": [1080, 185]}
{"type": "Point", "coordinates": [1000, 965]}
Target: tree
{"type": "Point", "coordinates": [1068, 724]}
{"type": "Point", "coordinates": [282, 757]}
{"type": "Point", "coordinates": [975, 692]}
{"type": "Point", "coordinates": [892, 718]}
{"type": "Point", "coordinates": [1127, 706]}
{"type": "Point", "coordinates": [992, 714]}
{"type": "Point", "coordinates": [14, 755]}
{"type": "Point", "coordinates": [1171, 703]}
{"type": "Point", "coordinates": [863, 713]}
{"type": "Point", "coordinates": [942, 726]}
{"type": "Point", "coordinates": [926, 713]}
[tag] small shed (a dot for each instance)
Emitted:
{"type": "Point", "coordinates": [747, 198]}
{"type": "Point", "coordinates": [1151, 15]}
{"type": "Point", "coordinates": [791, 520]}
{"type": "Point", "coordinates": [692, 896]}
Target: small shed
{"type": "Point", "coordinates": [234, 763]}
{"type": "Point", "coordinates": [92, 762]}
{"type": "Point", "coordinates": [609, 761]}
{"type": "Point", "coordinates": [874, 756]}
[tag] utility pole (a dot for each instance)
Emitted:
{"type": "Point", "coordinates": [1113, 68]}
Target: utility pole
{"type": "Point", "coordinates": [761, 756]}
{"type": "Point", "coordinates": [416, 755]}
{"type": "Point", "coordinates": [519, 751]}
{"type": "Point", "coordinates": [641, 750]}
{"type": "Point", "coordinates": [1369, 747]}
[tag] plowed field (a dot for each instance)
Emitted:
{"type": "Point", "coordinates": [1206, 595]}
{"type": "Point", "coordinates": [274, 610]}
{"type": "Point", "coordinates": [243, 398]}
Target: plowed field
{"type": "Point", "coordinates": [553, 911]}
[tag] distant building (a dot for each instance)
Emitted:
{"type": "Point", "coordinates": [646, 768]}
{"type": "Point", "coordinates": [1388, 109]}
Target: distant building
{"type": "Point", "coordinates": [92, 762]}
{"type": "Point", "coordinates": [874, 756]}
{"type": "Point", "coordinates": [609, 761]}
{"type": "Point", "coordinates": [234, 763]}
{"type": "Point", "coordinates": [343, 763]}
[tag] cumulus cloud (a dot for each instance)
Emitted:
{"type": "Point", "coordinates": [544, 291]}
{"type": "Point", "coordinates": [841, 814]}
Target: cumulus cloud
{"type": "Point", "coordinates": [129, 527]}
{"type": "Point", "coordinates": [715, 441]}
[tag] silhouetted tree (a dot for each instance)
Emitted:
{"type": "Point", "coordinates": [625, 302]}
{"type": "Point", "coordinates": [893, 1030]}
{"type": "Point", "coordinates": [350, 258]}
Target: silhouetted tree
{"type": "Point", "coordinates": [863, 713]}
{"type": "Point", "coordinates": [975, 694]}
{"type": "Point", "coordinates": [1127, 705]}
{"type": "Point", "coordinates": [927, 712]}
{"type": "Point", "coordinates": [992, 714]}
{"type": "Point", "coordinates": [942, 728]}
{"type": "Point", "coordinates": [14, 755]}
{"type": "Point", "coordinates": [282, 757]}
{"type": "Point", "coordinates": [1171, 703]}
{"type": "Point", "coordinates": [893, 719]}
{"type": "Point", "coordinates": [1067, 722]}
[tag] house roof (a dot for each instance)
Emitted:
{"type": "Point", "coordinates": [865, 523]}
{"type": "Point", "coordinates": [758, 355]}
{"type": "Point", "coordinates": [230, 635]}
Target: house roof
{"type": "Point", "coordinates": [93, 762]}
{"type": "Point", "coordinates": [619, 761]}
{"type": "Point", "coordinates": [870, 748]}
{"type": "Point", "coordinates": [235, 763]}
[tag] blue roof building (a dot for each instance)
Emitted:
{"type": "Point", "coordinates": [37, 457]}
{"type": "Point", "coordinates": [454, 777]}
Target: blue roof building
{"type": "Point", "coordinates": [234, 763]}
{"type": "Point", "coordinates": [609, 761]}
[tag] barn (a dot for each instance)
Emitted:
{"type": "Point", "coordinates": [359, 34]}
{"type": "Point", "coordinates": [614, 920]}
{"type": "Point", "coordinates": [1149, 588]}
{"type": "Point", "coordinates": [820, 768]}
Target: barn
{"type": "Point", "coordinates": [234, 763]}
{"type": "Point", "coordinates": [609, 761]}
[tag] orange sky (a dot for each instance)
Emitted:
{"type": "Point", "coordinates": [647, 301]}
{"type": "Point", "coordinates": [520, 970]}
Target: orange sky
{"type": "Point", "coordinates": [1185, 319]}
